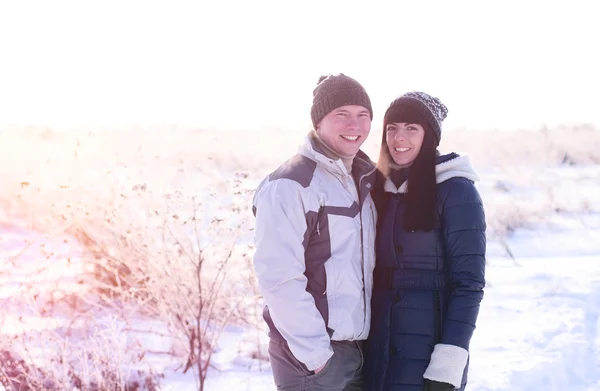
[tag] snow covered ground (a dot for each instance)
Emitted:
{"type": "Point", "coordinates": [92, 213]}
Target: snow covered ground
{"type": "Point", "coordinates": [539, 325]}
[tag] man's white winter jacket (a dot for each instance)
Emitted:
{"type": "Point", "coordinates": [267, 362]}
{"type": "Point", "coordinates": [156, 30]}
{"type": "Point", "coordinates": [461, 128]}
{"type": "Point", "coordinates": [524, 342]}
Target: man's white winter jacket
{"type": "Point", "coordinates": [315, 251]}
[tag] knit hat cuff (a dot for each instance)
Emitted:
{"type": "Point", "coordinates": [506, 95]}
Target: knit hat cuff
{"type": "Point", "coordinates": [421, 111]}
{"type": "Point", "coordinates": [339, 98]}
{"type": "Point", "coordinates": [334, 91]}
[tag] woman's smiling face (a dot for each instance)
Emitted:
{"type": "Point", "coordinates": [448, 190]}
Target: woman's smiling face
{"type": "Point", "coordinates": [404, 141]}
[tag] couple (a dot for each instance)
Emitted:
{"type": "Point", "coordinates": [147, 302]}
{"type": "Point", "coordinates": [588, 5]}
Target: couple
{"type": "Point", "coordinates": [372, 276]}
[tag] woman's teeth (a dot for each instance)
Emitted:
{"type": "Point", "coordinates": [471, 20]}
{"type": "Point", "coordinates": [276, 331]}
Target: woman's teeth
{"type": "Point", "coordinates": [350, 138]}
{"type": "Point", "coordinates": [402, 149]}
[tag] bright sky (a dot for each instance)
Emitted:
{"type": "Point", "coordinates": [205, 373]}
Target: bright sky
{"type": "Point", "coordinates": [252, 64]}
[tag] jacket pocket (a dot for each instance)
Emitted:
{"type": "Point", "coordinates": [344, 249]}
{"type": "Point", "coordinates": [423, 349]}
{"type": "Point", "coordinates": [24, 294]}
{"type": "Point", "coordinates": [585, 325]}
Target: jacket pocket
{"type": "Point", "coordinates": [330, 294]}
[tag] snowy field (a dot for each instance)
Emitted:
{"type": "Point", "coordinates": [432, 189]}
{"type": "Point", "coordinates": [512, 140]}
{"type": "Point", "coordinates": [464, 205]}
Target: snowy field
{"type": "Point", "coordinates": [539, 325]}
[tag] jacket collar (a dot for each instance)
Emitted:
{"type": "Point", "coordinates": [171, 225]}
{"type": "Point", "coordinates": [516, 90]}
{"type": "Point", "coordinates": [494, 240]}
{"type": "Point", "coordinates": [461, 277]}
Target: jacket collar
{"type": "Point", "coordinates": [361, 164]}
{"type": "Point", "coordinates": [448, 166]}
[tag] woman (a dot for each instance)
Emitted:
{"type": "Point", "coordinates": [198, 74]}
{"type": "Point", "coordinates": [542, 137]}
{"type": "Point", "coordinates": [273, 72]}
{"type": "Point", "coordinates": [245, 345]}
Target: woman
{"type": "Point", "coordinates": [429, 275]}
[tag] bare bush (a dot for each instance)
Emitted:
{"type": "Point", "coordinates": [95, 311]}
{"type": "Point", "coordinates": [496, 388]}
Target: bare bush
{"type": "Point", "coordinates": [167, 254]}
{"type": "Point", "coordinates": [509, 217]}
{"type": "Point", "coordinates": [176, 264]}
{"type": "Point", "coordinates": [101, 359]}
{"type": "Point", "coordinates": [188, 280]}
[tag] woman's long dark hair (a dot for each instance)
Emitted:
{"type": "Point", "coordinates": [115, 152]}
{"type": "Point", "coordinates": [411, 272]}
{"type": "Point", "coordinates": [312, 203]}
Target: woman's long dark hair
{"type": "Point", "coordinates": [421, 197]}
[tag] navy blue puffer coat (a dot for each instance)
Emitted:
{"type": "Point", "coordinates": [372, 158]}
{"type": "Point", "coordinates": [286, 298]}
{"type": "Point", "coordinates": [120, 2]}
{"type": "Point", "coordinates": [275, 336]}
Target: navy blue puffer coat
{"type": "Point", "coordinates": [428, 287]}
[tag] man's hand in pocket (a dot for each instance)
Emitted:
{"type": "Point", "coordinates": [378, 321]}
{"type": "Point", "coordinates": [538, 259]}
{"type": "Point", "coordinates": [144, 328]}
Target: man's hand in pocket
{"type": "Point", "coordinates": [321, 367]}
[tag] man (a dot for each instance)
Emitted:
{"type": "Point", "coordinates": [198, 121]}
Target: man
{"type": "Point", "coordinates": [315, 234]}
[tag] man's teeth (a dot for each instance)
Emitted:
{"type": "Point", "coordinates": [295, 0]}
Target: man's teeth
{"type": "Point", "coordinates": [350, 138]}
{"type": "Point", "coordinates": [402, 149]}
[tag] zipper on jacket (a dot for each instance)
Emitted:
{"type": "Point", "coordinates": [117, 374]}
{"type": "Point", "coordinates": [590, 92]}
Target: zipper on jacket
{"type": "Point", "coordinates": [438, 316]}
{"type": "Point", "coordinates": [362, 249]}
{"type": "Point", "coordinates": [318, 229]}
{"type": "Point", "coordinates": [364, 291]}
